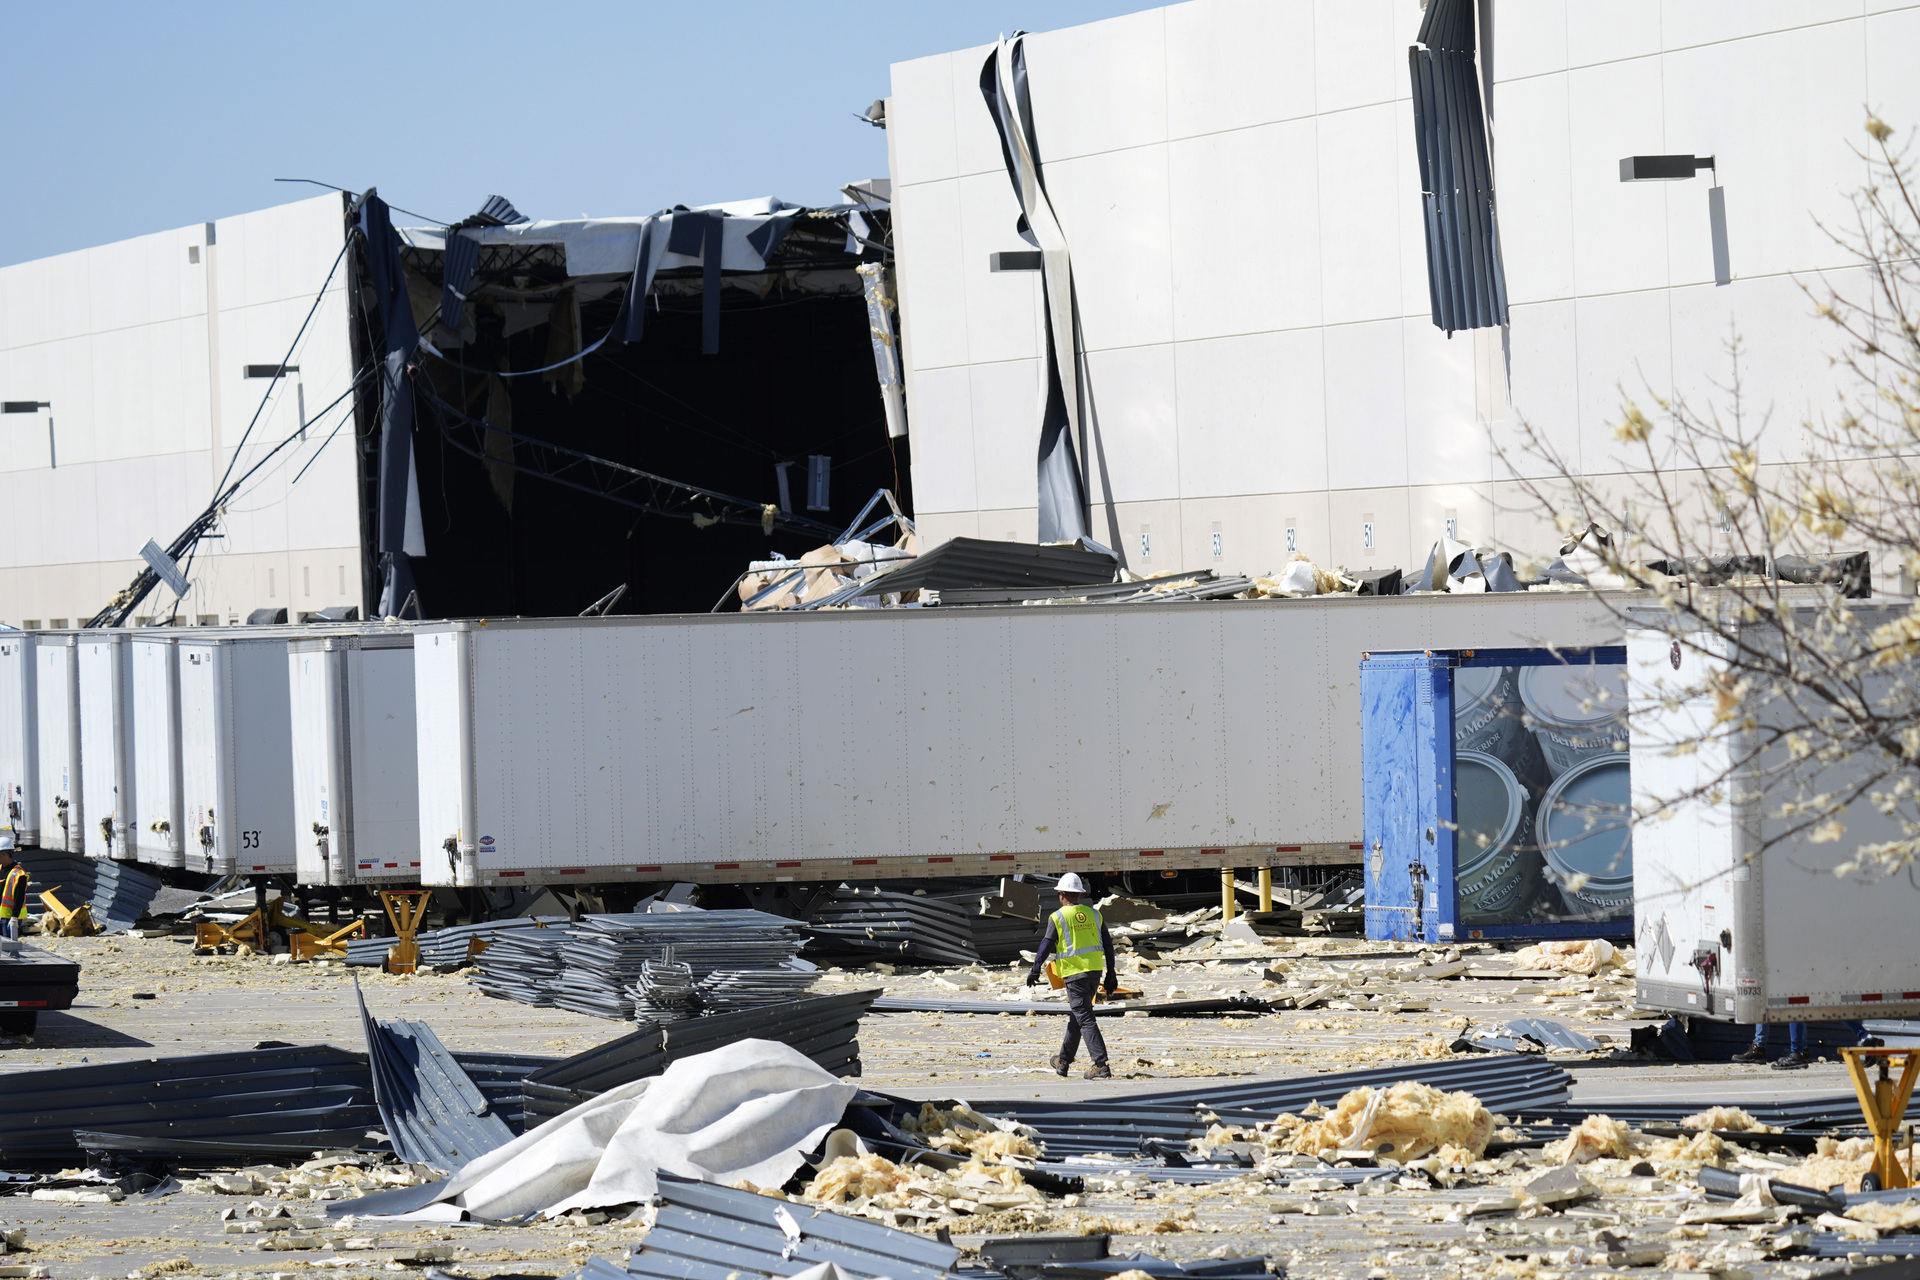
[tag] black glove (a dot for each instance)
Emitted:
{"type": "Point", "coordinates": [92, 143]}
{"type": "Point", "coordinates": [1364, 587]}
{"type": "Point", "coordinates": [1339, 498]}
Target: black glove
{"type": "Point", "coordinates": [1033, 979]}
{"type": "Point", "coordinates": [1113, 983]}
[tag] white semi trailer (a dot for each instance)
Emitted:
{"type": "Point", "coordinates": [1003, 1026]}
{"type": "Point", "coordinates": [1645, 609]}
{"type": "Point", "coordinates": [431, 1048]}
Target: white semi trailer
{"type": "Point", "coordinates": [918, 742]}
{"type": "Point", "coordinates": [56, 687]}
{"type": "Point", "coordinates": [19, 739]}
{"type": "Point", "coordinates": [1734, 919]}
{"type": "Point", "coordinates": [355, 789]}
{"type": "Point", "coordinates": [157, 830]}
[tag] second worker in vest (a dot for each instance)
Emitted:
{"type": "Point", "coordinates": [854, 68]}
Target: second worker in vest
{"type": "Point", "coordinates": [1077, 941]}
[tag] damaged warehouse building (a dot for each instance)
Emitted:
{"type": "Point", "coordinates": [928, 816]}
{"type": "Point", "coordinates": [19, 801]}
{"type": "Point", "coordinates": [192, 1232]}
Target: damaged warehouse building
{"type": "Point", "coordinates": [701, 648]}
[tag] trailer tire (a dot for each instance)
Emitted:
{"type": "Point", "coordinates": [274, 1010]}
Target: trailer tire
{"type": "Point", "coordinates": [19, 1023]}
{"type": "Point", "coordinates": [1869, 1182]}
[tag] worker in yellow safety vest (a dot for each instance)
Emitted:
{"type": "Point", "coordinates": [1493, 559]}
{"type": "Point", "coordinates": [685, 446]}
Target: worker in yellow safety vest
{"type": "Point", "coordinates": [1077, 941]}
{"type": "Point", "coordinates": [13, 889]}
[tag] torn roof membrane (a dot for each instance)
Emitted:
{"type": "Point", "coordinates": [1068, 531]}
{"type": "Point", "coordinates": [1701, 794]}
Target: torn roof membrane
{"type": "Point", "coordinates": [609, 246]}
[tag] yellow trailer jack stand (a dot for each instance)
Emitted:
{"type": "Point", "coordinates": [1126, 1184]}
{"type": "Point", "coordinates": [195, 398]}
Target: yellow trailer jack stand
{"type": "Point", "coordinates": [406, 908]}
{"type": "Point", "coordinates": [210, 935]}
{"type": "Point", "coordinates": [1883, 1101]}
{"type": "Point", "coordinates": [75, 922]}
{"type": "Point", "coordinates": [309, 944]}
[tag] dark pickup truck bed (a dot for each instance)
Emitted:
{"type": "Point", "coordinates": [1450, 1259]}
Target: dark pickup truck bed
{"type": "Point", "coordinates": [33, 980]}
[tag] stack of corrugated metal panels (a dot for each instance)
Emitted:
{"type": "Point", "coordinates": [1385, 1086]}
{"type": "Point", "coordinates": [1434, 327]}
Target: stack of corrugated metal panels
{"type": "Point", "coordinates": [879, 922]}
{"type": "Point", "coordinates": [292, 1100]}
{"type": "Point", "coordinates": [445, 946]}
{"type": "Point", "coordinates": [707, 1232]}
{"type": "Point", "coordinates": [118, 892]}
{"type": "Point", "coordinates": [730, 989]}
{"type": "Point", "coordinates": [522, 965]}
{"type": "Point", "coordinates": [603, 953]}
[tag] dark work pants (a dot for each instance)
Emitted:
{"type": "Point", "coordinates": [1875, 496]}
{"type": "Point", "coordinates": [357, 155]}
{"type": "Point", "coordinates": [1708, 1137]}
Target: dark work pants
{"type": "Point", "coordinates": [1081, 1024]}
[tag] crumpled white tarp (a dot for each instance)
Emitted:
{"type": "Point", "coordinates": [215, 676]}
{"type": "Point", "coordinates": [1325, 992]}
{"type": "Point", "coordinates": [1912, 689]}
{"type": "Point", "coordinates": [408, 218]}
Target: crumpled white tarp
{"type": "Point", "coordinates": [745, 1111]}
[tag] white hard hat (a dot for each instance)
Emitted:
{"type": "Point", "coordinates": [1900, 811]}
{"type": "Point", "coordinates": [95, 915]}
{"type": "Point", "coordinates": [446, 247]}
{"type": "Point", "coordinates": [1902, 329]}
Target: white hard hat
{"type": "Point", "coordinates": [1071, 883]}
{"type": "Point", "coordinates": [6, 841]}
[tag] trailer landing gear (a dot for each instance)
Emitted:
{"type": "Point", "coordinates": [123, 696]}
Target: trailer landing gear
{"type": "Point", "coordinates": [1883, 1101]}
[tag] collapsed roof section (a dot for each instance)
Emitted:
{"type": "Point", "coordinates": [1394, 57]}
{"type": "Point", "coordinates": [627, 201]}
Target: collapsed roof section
{"type": "Point", "coordinates": [591, 356]}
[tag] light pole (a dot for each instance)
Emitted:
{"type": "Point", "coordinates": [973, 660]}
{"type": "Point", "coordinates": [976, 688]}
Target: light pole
{"type": "Point", "coordinates": [35, 406]}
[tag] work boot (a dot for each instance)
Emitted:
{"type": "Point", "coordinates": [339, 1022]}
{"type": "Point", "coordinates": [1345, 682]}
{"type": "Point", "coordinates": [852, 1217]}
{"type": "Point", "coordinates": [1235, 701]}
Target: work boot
{"type": "Point", "coordinates": [1098, 1071]}
{"type": "Point", "coordinates": [1872, 1042]}
{"type": "Point", "coordinates": [1793, 1062]}
{"type": "Point", "coordinates": [1061, 1066]}
{"type": "Point", "coordinates": [1752, 1053]}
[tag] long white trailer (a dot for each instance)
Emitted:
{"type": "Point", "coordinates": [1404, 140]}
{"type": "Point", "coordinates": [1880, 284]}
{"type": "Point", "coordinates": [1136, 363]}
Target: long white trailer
{"type": "Point", "coordinates": [236, 753]}
{"type": "Point", "coordinates": [56, 682]}
{"type": "Point", "coordinates": [156, 830]}
{"type": "Point", "coordinates": [355, 789]}
{"type": "Point", "coordinates": [19, 739]}
{"type": "Point", "coordinates": [1733, 918]}
{"type": "Point", "coordinates": [918, 742]}
{"type": "Point", "coordinates": [106, 744]}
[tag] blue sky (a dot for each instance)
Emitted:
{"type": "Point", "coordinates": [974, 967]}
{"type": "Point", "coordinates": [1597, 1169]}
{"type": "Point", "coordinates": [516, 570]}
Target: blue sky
{"type": "Point", "coordinates": [127, 118]}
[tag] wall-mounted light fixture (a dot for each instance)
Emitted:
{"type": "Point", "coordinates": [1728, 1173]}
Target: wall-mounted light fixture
{"type": "Point", "coordinates": [1679, 169]}
{"type": "Point", "coordinates": [1663, 168]}
{"type": "Point", "coordinates": [35, 406]}
{"type": "Point", "coordinates": [281, 371]}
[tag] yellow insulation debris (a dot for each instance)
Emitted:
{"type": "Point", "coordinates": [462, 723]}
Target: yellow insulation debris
{"type": "Point", "coordinates": [1728, 1119]}
{"type": "Point", "coordinates": [965, 1131]}
{"type": "Point", "coordinates": [1587, 957]}
{"type": "Point", "coordinates": [1594, 1138]}
{"type": "Point", "coordinates": [1677, 1155]}
{"type": "Point", "coordinates": [1408, 1121]}
{"type": "Point", "coordinates": [851, 1177]}
{"type": "Point", "coordinates": [1837, 1163]}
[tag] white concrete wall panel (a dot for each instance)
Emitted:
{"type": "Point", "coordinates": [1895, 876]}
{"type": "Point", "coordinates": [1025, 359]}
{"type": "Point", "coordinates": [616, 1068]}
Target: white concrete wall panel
{"type": "Point", "coordinates": [1006, 410]}
{"type": "Point", "coordinates": [1360, 214]}
{"type": "Point", "coordinates": [943, 441]}
{"type": "Point", "coordinates": [1222, 284]}
{"type": "Point", "coordinates": [1099, 87]}
{"type": "Point", "coordinates": [1536, 197]}
{"type": "Point", "coordinates": [117, 338]}
{"type": "Point", "coordinates": [1252, 418]}
{"type": "Point", "coordinates": [1238, 64]}
{"type": "Point", "coordinates": [1114, 207]}
{"type": "Point", "coordinates": [1239, 184]}
{"type": "Point", "coordinates": [1366, 405]}
{"type": "Point", "coordinates": [1133, 396]}
{"type": "Point", "coordinates": [1611, 32]}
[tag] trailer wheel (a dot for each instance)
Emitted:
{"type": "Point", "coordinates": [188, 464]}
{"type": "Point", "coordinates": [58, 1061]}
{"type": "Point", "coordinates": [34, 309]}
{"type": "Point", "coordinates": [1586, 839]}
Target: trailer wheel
{"type": "Point", "coordinates": [19, 1023]}
{"type": "Point", "coordinates": [1870, 1182]}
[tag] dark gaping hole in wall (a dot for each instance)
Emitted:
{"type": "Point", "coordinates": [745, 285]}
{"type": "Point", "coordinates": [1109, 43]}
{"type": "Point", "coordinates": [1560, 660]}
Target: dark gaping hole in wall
{"type": "Point", "coordinates": [794, 377]}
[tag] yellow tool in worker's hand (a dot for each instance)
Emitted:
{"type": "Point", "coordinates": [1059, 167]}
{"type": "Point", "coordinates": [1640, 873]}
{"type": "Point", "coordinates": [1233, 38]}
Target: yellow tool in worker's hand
{"type": "Point", "coordinates": [1883, 1101]}
{"type": "Point", "coordinates": [75, 922]}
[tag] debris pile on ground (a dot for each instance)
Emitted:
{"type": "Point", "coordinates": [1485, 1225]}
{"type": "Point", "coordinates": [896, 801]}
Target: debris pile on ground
{"type": "Point", "coordinates": [963, 1131]}
{"type": "Point", "coordinates": [1408, 1121]}
{"type": "Point", "coordinates": [874, 1187]}
{"type": "Point", "coordinates": [1587, 958]}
